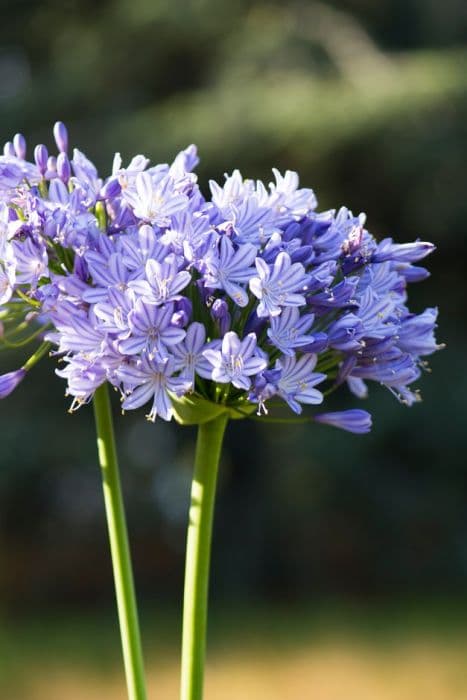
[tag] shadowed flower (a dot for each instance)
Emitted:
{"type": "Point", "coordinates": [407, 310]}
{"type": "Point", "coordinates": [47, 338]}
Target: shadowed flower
{"type": "Point", "coordinates": [297, 381]}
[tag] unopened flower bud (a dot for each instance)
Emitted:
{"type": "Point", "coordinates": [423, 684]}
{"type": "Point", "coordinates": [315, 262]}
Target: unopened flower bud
{"type": "Point", "coordinates": [40, 156]}
{"type": "Point", "coordinates": [61, 136]}
{"type": "Point", "coordinates": [51, 164]}
{"type": "Point", "coordinates": [183, 312]}
{"type": "Point", "coordinates": [353, 420]}
{"type": "Point", "coordinates": [220, 313]}
{"type": "Point", "coordinates": [9, 150]}
{"type": "Point", "coordinates": [111, 189]}
{"type": "Point", "coordinates": [63, 167]}
{"type": "Point", "coordinates": [179, 319]}
{"type": "Point", "coordinates": [19, 143]}
{"type": "Point", "coordinates": [9, 381]}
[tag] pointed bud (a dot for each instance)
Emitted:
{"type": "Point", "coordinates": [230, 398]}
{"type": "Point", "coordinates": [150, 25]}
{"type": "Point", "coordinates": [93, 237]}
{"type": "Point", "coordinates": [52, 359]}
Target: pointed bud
{"type": "Point", "coordinates": [61, 136]}
{"type": "Point", "coordinates": [9, 382]}
{"type": "Point", "coordinates": [51, 166]}
{"type": "Point", "coordinates": [63, 167]}
{"type": "Point", "coordinates": [353, 420]}
{"type": "Point", "coordinates": [40, 156]}
{"type": "Point", "coordinates": [19, 144]}
{"type": "Point", "coordinates": [9, 150]}
{"type": "Point", "coordinates": [220, 313]}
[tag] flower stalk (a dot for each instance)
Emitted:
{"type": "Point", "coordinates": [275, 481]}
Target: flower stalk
{"type": "Point", "coordinates": [119, 547]}
{"type": "Point", "coordinates": [198, 555]}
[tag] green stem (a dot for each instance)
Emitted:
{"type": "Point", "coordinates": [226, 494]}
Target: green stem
{"type": "Point", "coordinates": [119, 547]}
{"type": "Point", "coordinates": [42, 350]}
{"type": "Point", "coordinates": [198, 554]}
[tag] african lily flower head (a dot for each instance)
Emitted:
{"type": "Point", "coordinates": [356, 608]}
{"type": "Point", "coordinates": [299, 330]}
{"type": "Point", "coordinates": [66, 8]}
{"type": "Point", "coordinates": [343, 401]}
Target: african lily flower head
{"type": "Point", "coordinates": [249, 299]}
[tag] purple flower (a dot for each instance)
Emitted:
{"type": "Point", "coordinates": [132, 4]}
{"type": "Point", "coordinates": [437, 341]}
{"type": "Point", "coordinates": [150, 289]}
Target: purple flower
{"type": "Point", "coordinates": [402, 252]}
{"type": "Point", "coordinates": [251, 222]}
{"type": "Point", "coordinates": [163, 281]}
{"type": "Point", "coordinates": [236, 361]}
{"type": "Point", "coordinates": [341, 296]}
{"type": "Point", "coordinates": [232, 268]}
{"type": "Point", "coordinates": [151, 330]}
{"type": "Point", "coordinates": [264, 388]}
{"type": "Point", "coordinates": [220, 314]}
{"type": "Point", "coordinates": [297, 381]}
{"type": "Point", "coordinates": [75, 332]}
{"type": "Point", "coordinates": [137, 248]}
{"type": "Point", "coordinates": [354, 420]}
{"type": "Point", "coordinates": [148, 380]}
{"type": "Point", "coordinates": [346, 333]}
{"type": "Point", "coordinates": [9, 381]}
{"type": "Point", "coordinates": [232, 194]}
{"type": "Point", "coordinates": [288, 331]}
{"type": "Point", "coordinates": [189, 355]}
{"type": "Point", "coordinates": [279, 286]}
{"type": "Point", "coordinates": [107, 274]}
{"type": "Point", "coordinates": [287, 200]}
{"type": "Point", "coordinates": [9, 150]}
{"type": "Point", "coordinates": [416, 333]}
{"type": "Point", "coordinates": [183, 312]}
{"type": "Point", "coordinates": [63, 167]}
{"type": "Point", "coordinates": [31, 261]}
{"type": "Point", "coordinates": [19, 144]}
{"type": "Point", "coordinates": [375, 312]}
{"type": "Point", "coordinates": [394, 369]}
{"type": "Point", "coordinates": [155, 202]}
{"type": "Point", "coordinates": [7, 280]}
{"type": "Point", "coordinates": [40, 156]}
{"type": "Point", "coordinates": [144, 283]}
{"type": "Point", "coordinates": [61, 136]}
{"type": "Point", "coordinates": [84, 375]}
{"type": "Point", "coordinates": [357, 387]}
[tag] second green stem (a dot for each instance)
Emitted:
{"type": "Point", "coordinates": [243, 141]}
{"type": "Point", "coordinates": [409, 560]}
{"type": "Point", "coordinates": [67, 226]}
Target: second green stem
{"type": "Point", "coordinates": [198, 556]}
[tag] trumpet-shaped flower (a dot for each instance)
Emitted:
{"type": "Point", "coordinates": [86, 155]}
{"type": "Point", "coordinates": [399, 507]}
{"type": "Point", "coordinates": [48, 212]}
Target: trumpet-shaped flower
{"type": "Point", "coordinates": [236, 360]}
{"type": "Point", "coordinates": [282, 285]}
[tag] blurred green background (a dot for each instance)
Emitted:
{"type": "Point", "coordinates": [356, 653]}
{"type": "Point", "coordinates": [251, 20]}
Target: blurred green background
{"type": "Point", "coordinates": [340, 562]}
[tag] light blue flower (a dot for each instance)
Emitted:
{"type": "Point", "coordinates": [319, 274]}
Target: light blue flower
{"type": "Point", "coordinates": [236, 361]}
{"type": "Point", "coordinates": [278, 286]}
{"type": "Point", "coordinates": [231, 269]}
{"type": "Point", "coordinates": [288, 331]}
{"type": "Point", "coordinates": [297, 381]}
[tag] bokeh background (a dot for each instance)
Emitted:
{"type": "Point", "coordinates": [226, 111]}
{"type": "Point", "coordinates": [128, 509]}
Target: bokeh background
{"type": "Point", "coordinates": [340, 562]}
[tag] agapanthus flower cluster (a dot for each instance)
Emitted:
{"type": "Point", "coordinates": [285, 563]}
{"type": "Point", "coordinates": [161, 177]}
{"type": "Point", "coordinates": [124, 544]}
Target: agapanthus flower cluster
{"type": "Point", "coordinates": [249, 299]}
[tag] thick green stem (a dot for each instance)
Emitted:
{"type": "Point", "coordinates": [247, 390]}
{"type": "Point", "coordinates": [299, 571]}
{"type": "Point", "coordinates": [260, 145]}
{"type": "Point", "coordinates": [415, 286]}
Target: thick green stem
{"type": "Point", "coordinates": [198, 555]}
{"type": "Point", "coordinates": [119, 548]}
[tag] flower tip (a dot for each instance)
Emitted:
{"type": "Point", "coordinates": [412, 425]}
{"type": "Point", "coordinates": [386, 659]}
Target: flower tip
{"type": "Point", "coordinates": [10, 380]}
{"type": "Point", "coordinates": [19, 145]}
{"type": "Point", "coordinates": [61, 136]}
{"type": "Point", "coordinates": [354, 420]}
